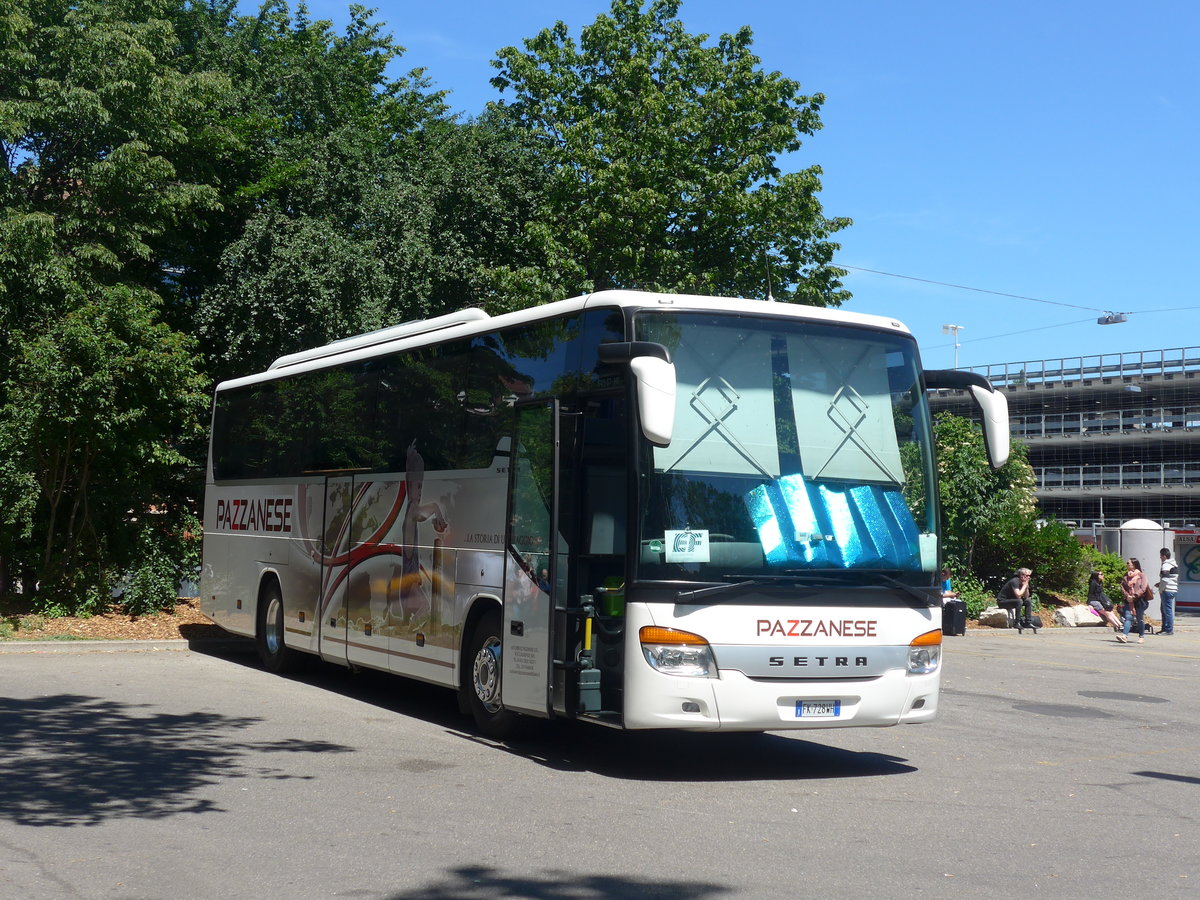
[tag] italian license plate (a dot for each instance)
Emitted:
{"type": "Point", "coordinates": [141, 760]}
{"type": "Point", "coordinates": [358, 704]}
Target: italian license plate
{"type": "Point", "coordinates": [818, 709]}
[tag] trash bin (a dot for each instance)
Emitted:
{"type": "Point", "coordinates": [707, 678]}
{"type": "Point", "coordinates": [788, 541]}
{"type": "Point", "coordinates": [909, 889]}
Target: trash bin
{"type": "Point", "coordinates": [954, 617]}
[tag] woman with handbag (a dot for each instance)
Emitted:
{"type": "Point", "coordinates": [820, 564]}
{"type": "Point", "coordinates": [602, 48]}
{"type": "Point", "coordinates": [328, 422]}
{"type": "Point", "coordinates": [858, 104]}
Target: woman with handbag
{"type": "Point", "coordinates": [1134, 589]}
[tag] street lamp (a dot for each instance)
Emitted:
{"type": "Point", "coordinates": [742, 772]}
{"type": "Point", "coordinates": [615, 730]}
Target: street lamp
{"type": "Point", "coordinates": [954, 330]}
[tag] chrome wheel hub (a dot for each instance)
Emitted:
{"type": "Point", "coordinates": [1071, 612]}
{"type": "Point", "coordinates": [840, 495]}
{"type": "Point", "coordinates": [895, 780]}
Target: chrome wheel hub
{"type": "Point", "coordinates": [486, 671]}
{"type": "Point", "coordinates": [271, 621]}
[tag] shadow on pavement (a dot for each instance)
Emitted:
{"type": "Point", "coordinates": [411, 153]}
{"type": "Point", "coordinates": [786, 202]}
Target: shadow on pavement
{"type": "Point", "coordinates": [569, 746]}
{"type": "Point", "coordinates": [468, 882]}
{"type": "Point", "coordinates": [675, 756]}
{"type": "Point", "coordinates": [71, 759]}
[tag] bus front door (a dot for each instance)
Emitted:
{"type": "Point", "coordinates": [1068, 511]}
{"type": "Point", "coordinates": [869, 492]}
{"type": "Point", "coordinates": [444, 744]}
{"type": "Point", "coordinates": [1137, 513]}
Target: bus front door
{"type": "Point", "coordinates": [535, 569]}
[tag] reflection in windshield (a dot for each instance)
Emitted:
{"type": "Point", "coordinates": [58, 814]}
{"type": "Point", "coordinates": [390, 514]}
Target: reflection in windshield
{"type": "Point", "coordinates": [797, 446]}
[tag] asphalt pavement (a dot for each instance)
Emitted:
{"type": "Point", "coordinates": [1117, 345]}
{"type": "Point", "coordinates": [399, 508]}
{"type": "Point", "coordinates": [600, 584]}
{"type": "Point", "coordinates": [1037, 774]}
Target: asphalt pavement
{"type": "Point", "coordinates": [1061, 764]}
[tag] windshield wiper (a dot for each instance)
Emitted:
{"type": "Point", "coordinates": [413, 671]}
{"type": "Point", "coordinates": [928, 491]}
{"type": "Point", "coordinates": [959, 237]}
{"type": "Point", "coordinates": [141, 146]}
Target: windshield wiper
{"type": "Point", "coordinates": [837, 578]}
{"type": "Point", "coordinates": [926, 597]}
{"type": "Point", "coordinates": [801, 578]}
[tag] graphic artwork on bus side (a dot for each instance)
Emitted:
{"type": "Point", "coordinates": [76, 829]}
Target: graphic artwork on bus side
{"type": "Point", "coordinates": [369, 580]}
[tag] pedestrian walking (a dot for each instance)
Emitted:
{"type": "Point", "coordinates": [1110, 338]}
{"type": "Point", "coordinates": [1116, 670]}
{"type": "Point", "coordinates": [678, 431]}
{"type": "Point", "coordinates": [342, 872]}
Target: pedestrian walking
{"type": "Point", "coordinates": [1136, 591]}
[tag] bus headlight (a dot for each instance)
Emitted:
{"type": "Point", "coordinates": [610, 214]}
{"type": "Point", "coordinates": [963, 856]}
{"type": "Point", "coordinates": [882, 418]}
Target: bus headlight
{"type": "Point", "coordinates": [677, 652]}
{"type": "Point", "coordinates": [925, 653]}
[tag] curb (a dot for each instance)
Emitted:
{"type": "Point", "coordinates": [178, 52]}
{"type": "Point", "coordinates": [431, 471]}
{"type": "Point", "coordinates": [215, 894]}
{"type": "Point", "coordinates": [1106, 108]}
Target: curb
{"type": "Point", "coordinates": [1183, 630]}
{"type": "Point", "coordinates": [58, 647]}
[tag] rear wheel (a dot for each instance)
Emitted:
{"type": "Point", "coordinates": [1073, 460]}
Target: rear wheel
{"type": "Point", "coordinates": [483, 679]}
{"type": "Point", "coordinates": [274, 653]}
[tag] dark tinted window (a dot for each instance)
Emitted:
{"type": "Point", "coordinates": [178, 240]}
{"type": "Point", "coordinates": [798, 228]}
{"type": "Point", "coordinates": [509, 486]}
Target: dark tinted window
{"type": "Point", "coordinates": [453, 401]}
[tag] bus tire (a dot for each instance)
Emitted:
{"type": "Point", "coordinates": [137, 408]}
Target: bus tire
{"type": "Point", "coordinates": [482, 678]}
{"type": "Point", "coordinates": [275, 655]}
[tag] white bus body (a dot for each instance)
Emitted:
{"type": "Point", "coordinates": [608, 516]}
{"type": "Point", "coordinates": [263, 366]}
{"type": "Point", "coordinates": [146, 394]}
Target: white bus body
{"type": "Point", "coordinates": [647, 511]}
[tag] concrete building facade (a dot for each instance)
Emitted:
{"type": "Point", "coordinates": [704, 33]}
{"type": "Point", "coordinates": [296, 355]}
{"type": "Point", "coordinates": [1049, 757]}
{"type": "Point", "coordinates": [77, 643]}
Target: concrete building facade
{"type": "Point", "coordinates": [1111, 437]}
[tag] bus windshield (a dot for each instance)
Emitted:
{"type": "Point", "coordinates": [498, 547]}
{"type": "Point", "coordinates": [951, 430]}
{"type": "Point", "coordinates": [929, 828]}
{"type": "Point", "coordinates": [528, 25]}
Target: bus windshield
{"type": "Point", "coordinates": [800, 449]}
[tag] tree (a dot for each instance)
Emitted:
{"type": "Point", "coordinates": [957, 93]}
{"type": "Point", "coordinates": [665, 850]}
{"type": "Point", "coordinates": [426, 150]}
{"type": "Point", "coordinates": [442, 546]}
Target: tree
{"type": "Point", "coordinates": [663, 152]}
{"type": "Point", "coordinates": [990, 519]}
{"type": "Point", "coordinates": [439, 229]}
{"type": "Point", "coordinates": [974, 496]}
{"type": "Point", "coordinates": [353, 201]}
{"type": "Point", "coordinates": [99, 398]}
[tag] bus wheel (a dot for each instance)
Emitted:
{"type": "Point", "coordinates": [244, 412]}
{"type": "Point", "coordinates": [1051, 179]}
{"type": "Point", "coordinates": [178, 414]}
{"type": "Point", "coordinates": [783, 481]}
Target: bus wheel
{"type": "Point", "coordinates": [275, 655]}
{"type": "Point", "coordinates": [483, 678]}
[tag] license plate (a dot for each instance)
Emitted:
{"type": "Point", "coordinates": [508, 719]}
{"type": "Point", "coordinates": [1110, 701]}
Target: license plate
{"type": "Point", "coordinates": [818, 709]}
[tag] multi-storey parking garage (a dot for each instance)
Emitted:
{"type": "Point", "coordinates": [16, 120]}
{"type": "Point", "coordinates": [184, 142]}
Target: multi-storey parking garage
{"type": "Point", "coordinates": [1111, 438]}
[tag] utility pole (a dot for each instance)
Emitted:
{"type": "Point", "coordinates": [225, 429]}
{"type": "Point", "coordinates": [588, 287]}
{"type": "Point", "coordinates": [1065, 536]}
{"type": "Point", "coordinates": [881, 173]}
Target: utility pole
{"type": "Point", "coordinates": [954, 330]}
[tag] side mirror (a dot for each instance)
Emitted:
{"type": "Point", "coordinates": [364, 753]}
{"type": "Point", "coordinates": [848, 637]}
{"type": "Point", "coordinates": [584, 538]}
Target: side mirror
{"type": "Point", "coordinates": [993, 405]}
{"type": "Point", "coordinates": [654, 379]}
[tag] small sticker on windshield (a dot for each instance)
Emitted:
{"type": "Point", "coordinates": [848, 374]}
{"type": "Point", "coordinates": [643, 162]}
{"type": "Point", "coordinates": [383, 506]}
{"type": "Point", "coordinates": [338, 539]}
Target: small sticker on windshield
{"type": "Point", "coordinates": [687, 546]}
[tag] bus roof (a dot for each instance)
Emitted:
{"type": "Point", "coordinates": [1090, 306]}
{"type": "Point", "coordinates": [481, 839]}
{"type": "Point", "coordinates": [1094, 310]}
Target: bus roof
{"type": "Point", "coordinates": [472, 321]}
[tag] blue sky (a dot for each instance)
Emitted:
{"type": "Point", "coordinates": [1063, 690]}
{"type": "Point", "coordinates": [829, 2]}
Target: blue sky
{"type": "Point", "coordinates": [1042, 149]}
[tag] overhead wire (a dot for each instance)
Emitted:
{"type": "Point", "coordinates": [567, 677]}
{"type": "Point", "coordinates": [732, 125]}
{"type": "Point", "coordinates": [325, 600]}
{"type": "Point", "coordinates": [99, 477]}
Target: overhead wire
{"type": "Point", "coordinates": [992, 337]}
{"type": "Point", "coordinates": [964, 287]}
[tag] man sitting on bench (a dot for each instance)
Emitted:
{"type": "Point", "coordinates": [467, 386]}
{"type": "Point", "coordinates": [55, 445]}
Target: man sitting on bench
{"type": "Point", "coordinates": [1017, 595]}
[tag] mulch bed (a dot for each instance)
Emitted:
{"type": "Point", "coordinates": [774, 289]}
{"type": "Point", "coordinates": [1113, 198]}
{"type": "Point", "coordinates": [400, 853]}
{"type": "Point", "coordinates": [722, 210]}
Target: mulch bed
{"type": "Point", "coordinates": [185, 621]}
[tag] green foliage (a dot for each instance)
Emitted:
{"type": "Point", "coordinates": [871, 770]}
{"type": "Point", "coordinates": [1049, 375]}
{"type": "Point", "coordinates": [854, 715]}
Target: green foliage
{"type": "Point", "coordinates": [352, 200]}
{"type": "Point", "coordinates": [96, 405]}
{"type": "Point", "coordinates": [990, 521]}
{"type": "Point", "coordinates": [975, 498]}
{"type": "Point", "coordinates": [1047, 547]}
{"type": "Point", "coordinates": [78, 593]}
{"type": "Point", "coordinates": [99, 398]}
{"type": "Point", "coordinates": [663, 152]}
{"type": "Point", "coordinates": [154, 584]}
{"type": "Point", "coordinates": [1111, 564]}
{"type": "Point", "coordinates": [972, 591]}
{"type": "Point", "coordinates": [171, 169]}
{"type": "Point", "coordinates": [31, 623]}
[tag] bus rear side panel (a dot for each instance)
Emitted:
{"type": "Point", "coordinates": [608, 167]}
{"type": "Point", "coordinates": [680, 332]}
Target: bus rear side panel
{"type": "Point", "coordinates": [253, 532]}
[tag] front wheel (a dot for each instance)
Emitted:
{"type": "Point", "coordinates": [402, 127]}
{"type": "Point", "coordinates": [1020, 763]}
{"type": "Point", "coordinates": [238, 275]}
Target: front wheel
{"type": "Point", "coordinates": [483, 679]}
{"type": "Point", "coordinates": [274, 653]}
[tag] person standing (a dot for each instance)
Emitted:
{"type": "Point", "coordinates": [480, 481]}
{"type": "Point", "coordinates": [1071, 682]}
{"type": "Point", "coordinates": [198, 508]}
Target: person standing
{"type": "Point", "coordinates": [1134, 588]}
{"type": "Point", "coordinates": [1168, 586]}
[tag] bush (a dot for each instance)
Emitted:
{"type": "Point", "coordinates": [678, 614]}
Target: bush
{"type": "Point", "coordinates": [153, 586]}
{"type": "Point", "coordinates": [1113, 567]}
{"type": "Point", "coordinates": [163, 557]}
{"type": "Point", "coordinates": [1047, 547]}
{"type": "Point", "coordinates": [974, 593]}
{"type": "Point", "coordinates": [80, 592]}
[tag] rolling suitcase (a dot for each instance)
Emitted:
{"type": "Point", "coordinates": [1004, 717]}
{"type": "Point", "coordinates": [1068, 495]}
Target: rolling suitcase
{"type": "Point", "coordinates": [954, 617]}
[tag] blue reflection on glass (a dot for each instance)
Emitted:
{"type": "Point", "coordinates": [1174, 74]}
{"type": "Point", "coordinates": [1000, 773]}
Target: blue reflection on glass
{"type": "Point", "coordinates": [834, 526]}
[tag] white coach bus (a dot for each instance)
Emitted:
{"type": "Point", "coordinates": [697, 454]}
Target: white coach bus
{"type": "Point", "coordinates": [641, 510]}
